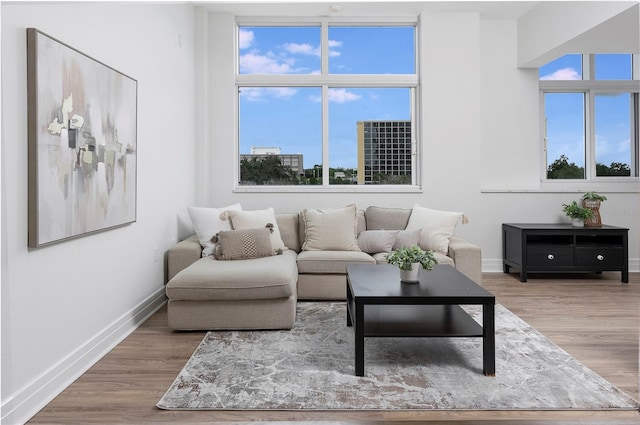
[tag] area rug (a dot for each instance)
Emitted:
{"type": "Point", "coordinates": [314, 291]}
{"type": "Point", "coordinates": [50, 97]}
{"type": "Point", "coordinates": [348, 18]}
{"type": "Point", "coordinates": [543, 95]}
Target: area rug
{"type": "Point", "coordinates": [312, 367]}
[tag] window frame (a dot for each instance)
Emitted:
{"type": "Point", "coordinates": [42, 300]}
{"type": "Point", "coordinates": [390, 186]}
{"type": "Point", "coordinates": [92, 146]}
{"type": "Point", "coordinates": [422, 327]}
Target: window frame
{"type": "Point", "coordinates": [591, 87]}
{"type": "Point", "coordinates": [325, 82]}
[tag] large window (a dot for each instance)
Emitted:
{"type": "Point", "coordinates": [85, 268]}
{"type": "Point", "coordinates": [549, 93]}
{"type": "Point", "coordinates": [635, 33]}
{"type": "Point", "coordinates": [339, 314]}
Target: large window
{"type": "Point", "coordinates": [311, 95]}
{"type": "Point", "coordinates": [591, 118]}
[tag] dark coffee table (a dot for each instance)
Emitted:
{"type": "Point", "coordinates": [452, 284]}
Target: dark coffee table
{"type": "Point", "coordinates": [380, 305]}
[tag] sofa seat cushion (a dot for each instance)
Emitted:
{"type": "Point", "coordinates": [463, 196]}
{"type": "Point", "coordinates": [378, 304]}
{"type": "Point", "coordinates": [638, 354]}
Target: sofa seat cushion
{"type": "Point", "coordinates": [381, 258]}
{"type": "Point", "coordinates": [251, 279]}
{"type": "Point", "coordinates": [330, 261]}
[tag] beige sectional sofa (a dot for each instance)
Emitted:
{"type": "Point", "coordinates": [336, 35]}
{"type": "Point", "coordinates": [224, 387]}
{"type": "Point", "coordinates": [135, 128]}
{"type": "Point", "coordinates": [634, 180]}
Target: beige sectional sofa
{"type": "Point", "coordinates": [261, 293]}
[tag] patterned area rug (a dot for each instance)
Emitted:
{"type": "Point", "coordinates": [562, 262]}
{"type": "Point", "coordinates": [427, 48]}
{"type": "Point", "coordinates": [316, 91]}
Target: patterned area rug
{"type": "Point", "coordinates": [312, 367]}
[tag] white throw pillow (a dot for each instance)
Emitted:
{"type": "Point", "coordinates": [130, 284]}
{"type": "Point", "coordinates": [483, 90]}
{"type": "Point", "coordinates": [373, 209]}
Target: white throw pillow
{"type": "Point", "coordinates": [437, 227]}
{"type": "Point", "coordinates": [330, 229]}
{"type": "Point", "coordinates": [206, 223]}
{"type": "Point", "coordinates": [241, 220]}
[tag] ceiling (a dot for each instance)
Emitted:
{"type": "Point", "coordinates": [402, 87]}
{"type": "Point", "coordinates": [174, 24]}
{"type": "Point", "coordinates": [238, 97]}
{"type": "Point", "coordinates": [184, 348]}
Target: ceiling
{"type": "Point", "coordinates": [486, 9]}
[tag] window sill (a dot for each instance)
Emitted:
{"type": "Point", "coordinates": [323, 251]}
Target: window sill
{"type": "Point", "coordinates": [329, 189]}
{"type": "Point", "coordinates": [632, 185]}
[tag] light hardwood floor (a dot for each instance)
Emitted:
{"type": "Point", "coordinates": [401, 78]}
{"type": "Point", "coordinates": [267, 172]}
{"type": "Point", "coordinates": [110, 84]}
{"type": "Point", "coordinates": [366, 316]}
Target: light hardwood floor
{"type": "Point", "coordinates": [593, 317]}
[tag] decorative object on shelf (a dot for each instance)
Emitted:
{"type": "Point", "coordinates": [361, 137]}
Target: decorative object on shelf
{"type": "Point", "coordinates": [409, 260]}
{"type": "Point", "coordinates": [577, 213]}
{"type": "Point", "coordinates": [592, 200]}
{"type": "Point", "coordinates": [82, 143]}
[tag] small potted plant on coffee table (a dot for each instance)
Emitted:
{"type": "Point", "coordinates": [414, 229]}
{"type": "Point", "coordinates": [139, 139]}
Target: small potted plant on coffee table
{"type": "Point", "coordinates": [410, 259]}
{"type": "Point", "coordinates": [592, 200]}
{"type": "Point", "coordinates": [577, 213]}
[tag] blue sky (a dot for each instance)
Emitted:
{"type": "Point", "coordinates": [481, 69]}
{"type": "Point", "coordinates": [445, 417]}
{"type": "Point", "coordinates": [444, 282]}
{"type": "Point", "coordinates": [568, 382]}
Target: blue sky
{"type": "Point", "coordinates": [565, 116]}
{"type": "Point", "coordinates": [291, 117]}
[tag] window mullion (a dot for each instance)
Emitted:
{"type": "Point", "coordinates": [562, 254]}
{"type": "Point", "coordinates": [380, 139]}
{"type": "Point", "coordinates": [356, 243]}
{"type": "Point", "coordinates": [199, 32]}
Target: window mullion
{"type": "Point", "coordinates": [590, 131]}
{"type": "Point", "coordinates": [324, 50]}
{"type": "Point", "coordinates": [325, 135]}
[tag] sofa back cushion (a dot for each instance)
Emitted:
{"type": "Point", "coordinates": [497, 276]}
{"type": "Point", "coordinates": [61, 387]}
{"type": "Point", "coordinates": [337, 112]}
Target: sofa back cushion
{"type": "Point", "coordinates": [379, 218]}
{"type": "Point", "coordinates": [289, 230]}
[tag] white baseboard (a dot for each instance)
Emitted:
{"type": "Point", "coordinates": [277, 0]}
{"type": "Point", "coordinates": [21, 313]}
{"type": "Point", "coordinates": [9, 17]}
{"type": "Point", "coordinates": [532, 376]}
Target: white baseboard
{"type": "Point", "coordinates": [29, 400]}
{"type": "Point", "coordinates": [495, 265]}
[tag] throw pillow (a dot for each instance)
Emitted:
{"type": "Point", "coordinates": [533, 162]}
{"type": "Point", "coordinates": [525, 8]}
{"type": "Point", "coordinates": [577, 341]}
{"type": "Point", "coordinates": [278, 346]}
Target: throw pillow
{"type": "Point", "coordinates": [243, 244]}
{"type": "Point", "coordinates": [374, 241]}
{"type": "Point", "coordinates": [407, 238]}
{"type": "Point", "coordinates": [255, 219]}
{"type": "Point", "coordinates": [206, 223]}
{"type": "Point", "coordinates": [330, 229]}
{"type": "Point", "coordinates": [437, 227]}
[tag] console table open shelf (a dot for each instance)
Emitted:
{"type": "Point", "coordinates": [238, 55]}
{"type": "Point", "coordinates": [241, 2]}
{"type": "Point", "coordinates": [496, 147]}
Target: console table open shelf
{"type": "Point", "coordinates": [551, 248]}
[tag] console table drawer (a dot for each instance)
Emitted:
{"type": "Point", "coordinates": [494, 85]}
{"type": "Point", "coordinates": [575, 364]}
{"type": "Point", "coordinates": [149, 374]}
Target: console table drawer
{"type": "Point", "coordinates": [550, 255]}
{"type": "Point", "coordinates": [605, 257]}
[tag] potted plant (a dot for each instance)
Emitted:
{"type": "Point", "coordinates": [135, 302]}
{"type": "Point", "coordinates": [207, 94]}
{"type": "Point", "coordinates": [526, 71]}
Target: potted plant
{"type": "Point", "coordinates": [577, 213]}
{"type": "Point", "coordinates": [409, 260]}
{"type": "Point", "coordinates": [592, 200]}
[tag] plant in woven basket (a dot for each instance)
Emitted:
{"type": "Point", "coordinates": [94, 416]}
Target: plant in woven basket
{"type": "Point", "coordinates": [574, 210]}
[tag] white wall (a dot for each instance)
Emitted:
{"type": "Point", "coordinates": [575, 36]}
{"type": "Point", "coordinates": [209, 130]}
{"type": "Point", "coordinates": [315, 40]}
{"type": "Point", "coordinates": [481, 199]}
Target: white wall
{"type": "Point", "coordinates": [65, 305]}
{"type": "Point", "coordinates": [480, 140]}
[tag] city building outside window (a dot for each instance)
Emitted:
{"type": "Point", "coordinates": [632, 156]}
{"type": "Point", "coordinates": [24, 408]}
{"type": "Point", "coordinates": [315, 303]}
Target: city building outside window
{"type": "Point", "coordinates": [590, 119]}
{"type": "Point", "coordinates": [326, 104]}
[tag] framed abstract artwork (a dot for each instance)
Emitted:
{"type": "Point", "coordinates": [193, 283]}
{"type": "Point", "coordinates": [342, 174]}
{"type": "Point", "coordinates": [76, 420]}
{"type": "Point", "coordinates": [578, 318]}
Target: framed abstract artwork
{"type": "Point", "coordinates": [82, 143]}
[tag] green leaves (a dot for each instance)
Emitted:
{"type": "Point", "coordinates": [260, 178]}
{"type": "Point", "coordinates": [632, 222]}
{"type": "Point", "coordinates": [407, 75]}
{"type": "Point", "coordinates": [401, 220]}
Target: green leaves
{"type": "Point", "coordinates": [405, 257]}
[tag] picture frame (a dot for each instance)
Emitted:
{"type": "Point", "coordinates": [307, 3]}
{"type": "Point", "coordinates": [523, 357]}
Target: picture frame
{"type": "Point", "coordinates": [82, 143]}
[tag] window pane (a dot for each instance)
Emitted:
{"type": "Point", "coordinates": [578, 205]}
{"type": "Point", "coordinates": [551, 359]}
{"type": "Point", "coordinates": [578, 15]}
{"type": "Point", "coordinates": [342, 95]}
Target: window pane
{"type": "Point", "coordinates": [613, 67]}
{"type": "Point", "coordinates": [568, 67]}
{"type": "Point", "coordinates": [565, 132]}
{"type": "Point", "coordinates": [279, 50]}
{"type": "Point", "coordinates": [613, 134]}
{"type": "Point", "coordinates": [372, 50]}
{"type": "Point", "coordinates": [370, 135]}
{"type": "Point", "coordinates": [280, 133]}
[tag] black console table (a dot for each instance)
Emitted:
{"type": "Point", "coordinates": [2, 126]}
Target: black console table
{"type": "Point", "coordinates": [564, 248]}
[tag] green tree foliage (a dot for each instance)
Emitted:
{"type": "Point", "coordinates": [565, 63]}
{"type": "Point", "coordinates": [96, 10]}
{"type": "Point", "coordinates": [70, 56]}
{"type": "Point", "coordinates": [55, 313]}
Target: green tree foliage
{"type": "Point", "coordinates": [561, 168]}
{"type": "Point", "coordinates": [615, 169]}
{"type": "Point", "coordinates": [265, 171]}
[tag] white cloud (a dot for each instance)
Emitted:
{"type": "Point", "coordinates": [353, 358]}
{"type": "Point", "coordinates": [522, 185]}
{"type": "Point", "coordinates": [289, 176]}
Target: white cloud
{"type": "Point", "coordinates": [338, 95]}
{"type": "Point", "coordinates": [302, 49]}
{"type": "Point", "coordinates": [256, 94]}
{"type": "Point", "coordinates": [245, 39]}
{"type": "Point", "coordinates": [342, 96]}
{"type": "Point", "coordinates": [258, 64]}
{"type": "Point", "coordinates": [563, 74]}
{"type": "Point", "coordinates": [334, 44]}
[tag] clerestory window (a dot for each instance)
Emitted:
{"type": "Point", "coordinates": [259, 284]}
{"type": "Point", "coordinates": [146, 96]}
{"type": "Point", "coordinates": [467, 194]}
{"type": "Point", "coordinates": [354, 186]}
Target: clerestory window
{"type": "Point", "coordinates": [336, 96]}
{"type": "Point", "coordinates": [590, 119]}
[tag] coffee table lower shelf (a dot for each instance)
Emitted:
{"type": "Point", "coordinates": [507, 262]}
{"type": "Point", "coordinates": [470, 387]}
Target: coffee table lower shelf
{"type": "Point", "coordinates": [418, 321]}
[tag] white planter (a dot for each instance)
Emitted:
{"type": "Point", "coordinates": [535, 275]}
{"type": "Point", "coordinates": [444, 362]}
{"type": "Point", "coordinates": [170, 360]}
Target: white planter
{"type": "Point", "coordinates": [412, 275]}
{"type": "Point", "coordinates": [577, 222]}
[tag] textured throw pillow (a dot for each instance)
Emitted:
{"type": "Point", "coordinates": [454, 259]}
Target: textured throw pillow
{"type": "Point", "coordinates": [330, 229]}
{"type": "Point", "coordinates": [256, 219]}
{"type": "Point", "coordinates": [407, 238]}
{"type": "Point", "coordinates": [243, 244]}
{"type": "Point", "coordinates": [437, 227]}
{"type": "Point", "coordinates": [374, 241]}
{"type": "Point", "coordinates": [206, 223]}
